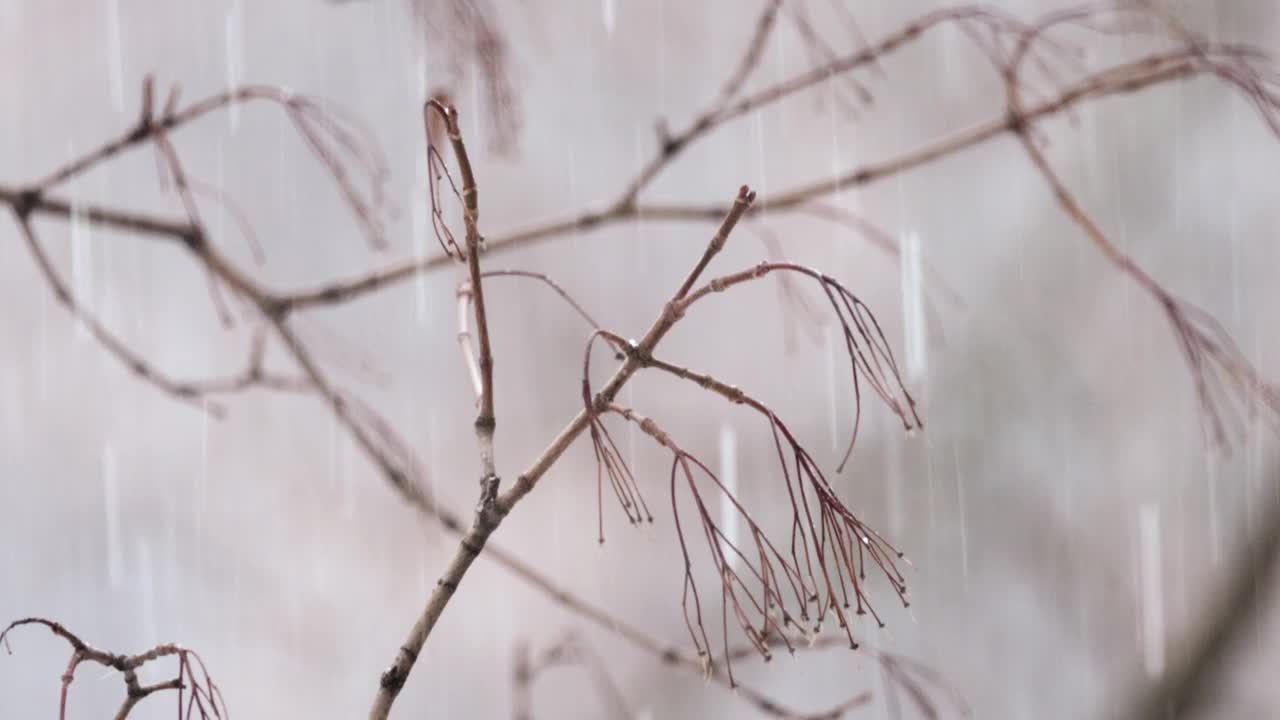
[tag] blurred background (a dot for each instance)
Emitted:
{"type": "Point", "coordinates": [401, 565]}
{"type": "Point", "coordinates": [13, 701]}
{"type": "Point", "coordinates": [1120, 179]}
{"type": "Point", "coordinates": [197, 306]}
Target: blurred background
{"type": "Point", "coordinates": [1066, 522]}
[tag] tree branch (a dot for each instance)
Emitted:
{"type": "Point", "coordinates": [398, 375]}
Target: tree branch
{"type": "Point", "coordinates": [205, 698]}
{"type": "Point", "coordinates": [488, 518]}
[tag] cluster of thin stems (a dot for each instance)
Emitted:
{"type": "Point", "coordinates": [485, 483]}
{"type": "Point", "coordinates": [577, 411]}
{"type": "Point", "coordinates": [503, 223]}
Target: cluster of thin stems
{"type": "Point", "coordinates": [1226, 384]}
{"type": "Point", "coordinates": [769, 591]}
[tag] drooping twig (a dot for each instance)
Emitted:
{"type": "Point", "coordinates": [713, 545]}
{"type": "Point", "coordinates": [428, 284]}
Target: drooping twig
{"type": "Point", "coordinates": [1223, 378]}
{"type": "Point", "coordinates": [333, 138]}
{"type": "Point", "coordinates": [489, 517]}
{"type": "Point", "coordinates": [668, 655]}
{"type": "Point", "coordinates": [570, 650]}
{"type": "Point", "coordinates": [186, 392]}
{"type": "Point", "coordinates": [202, 697]}
{"type": "Point", "coordinates": [837, 542]}
{"type": "Point", "coordinates": [750, 59]}
{"type": "Point", "coordinates": [870, 356]}
{"type": "Point", "coordinates": [803, 311]}
{"type": "Point", "coordinates": [828, 551]}
{"type": "Point", "coordinates": [464, 312]}
{"type": "Point", "coordinates": [469, 38]}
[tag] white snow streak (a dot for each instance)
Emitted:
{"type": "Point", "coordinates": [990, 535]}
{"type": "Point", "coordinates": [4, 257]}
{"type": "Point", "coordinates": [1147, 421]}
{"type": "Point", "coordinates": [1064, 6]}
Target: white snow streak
{"type": "Point", "coordinates": [1149, 559]}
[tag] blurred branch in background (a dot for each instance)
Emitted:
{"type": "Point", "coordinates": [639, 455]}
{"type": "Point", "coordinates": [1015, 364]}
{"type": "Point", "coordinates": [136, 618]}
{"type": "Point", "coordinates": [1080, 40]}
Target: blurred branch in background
{"type": "Point", "coordinates": [1187, 689]}
{"type": "Point", "coordinates": [903, 680]}
{"type": "Point", "coordinates": [467, 37]}
{"type": "Point", "coordinates": [568, 651]}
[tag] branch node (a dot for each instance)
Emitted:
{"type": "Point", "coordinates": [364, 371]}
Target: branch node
{"type": "Point", "coordinates": [393, 679]}
{"type": "Point", "coordinates": [488, 488]}
{"type": "Point", "coordinates": [26, 202]}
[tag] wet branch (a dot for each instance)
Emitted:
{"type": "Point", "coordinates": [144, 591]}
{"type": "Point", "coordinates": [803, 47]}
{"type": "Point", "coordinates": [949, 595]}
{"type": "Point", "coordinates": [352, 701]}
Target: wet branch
{"type": "Point", "coordinates": [1123, 78]}
{"type": "Point", "coordinates": [1224, 380]}
{"type": "Point", "coordinates": [485, 421]}
{"type": "Point", "coordinates": [373, 436]}
{"type": "Point", "coordinates": [198, 696]}
{"type": "Point", "coordinates": [489, 516]}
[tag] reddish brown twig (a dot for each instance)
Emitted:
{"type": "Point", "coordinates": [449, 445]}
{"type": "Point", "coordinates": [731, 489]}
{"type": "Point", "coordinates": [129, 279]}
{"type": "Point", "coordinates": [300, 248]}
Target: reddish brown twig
{"type": "Point", "coordinates": [845, 90]}
{"type": "Point", "coordinates": [751, 57]}
{"type": "Point", "coordinates": [870, 356]}
{"type": "Point", "coordinates": [464, 311]}
{"type": "Point", "coordinates": [668, 655]}
{"type": "Point", "coordinates": [202, 697]}
{"type": "Point", "coordinates": [556, 287]}
{"type": "Point", "coordinates": [919, 684]}
{"type": "Point", "coordinates": [837, 543]}
{"type": "Point", "coordinates": [334, 138]}
{"type": "Point", "coordinates": [469, 38]}
{"type": "Point", "coordinates": [490, 516]}
{"type": "Point", "coordinates": [827, 557]}
{"type": "Point", "coordinates": [195, 392]}
{"type": "Point", "coordinates": [1224, 380]}
{"type": "Point", "coordinates": [569, 651]}
{"type": "Point", "coordinates": [881, 240]}
{"type": "Point", "coordinates": [485, 421]}
{"type": "Point", "coordinates": [790, 294]}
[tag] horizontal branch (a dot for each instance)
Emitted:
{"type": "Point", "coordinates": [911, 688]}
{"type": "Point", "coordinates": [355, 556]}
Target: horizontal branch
{"type": "Point", "coordinates": [1124, 78]}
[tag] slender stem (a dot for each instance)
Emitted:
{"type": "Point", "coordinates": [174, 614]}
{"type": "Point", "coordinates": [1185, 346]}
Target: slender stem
{"type": "Point", "coordinates": [1120, 79]}
{"type": "Point", "coordinates": [485, 421]}
{"type": "Point", "coordinates": [488, 517]}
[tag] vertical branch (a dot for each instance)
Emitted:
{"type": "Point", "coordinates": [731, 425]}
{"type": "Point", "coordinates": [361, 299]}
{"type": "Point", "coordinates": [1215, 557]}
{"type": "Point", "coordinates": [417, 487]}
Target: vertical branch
{"type": "Point", "coordinates": [485, 421]}
{"type": "Point", "coordinates": [740, 205]}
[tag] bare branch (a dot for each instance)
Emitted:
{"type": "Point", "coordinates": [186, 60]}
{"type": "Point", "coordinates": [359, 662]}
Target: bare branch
{"type": "Point", "coordinates": [192, 392]}
{"type": "Point", "coordinates": [1210, 353]}
{"type": "Point", "coordinates": [568, 651]}
{"type": "Point", "coordinates": [755, 51]}
{"type": "Point", "coordinates": [490, 516]}
{"type": "Point", "coordinates": [205, 699]}
{"type": "Point", "coordinates": [869, 353]}
{"type": "Point", "coordinates": [485, 420]}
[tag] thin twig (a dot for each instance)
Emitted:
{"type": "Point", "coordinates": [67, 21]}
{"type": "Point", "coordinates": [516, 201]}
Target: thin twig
{"type": "Point", "coordinates": [187, 392]}
{"type": "Point", "coordinates": [755, 51]}
{"type": "Point", "coordinates": [485, 421]}
{"type": "Point", "coordinates": [569, 650]}
{"type": "Point", "coordinates": [1119, 79]}
{"type": "Point", "coordinates": [192, 675]}
{"type": "Point", "coordinates": [489, 517]}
